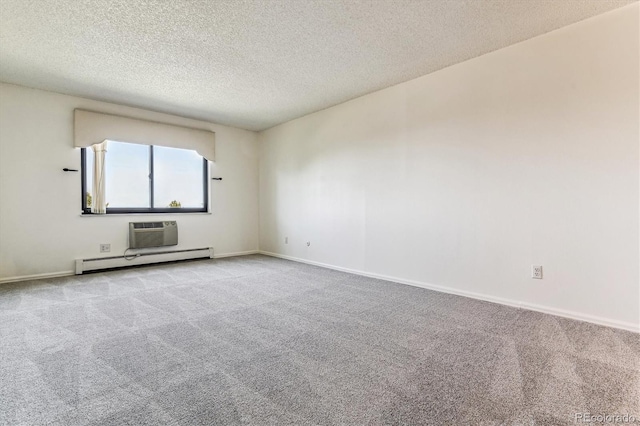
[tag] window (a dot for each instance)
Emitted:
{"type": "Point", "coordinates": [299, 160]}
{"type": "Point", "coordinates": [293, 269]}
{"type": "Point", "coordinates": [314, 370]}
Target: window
{"type": "Point", "coordinates": [147, 179]}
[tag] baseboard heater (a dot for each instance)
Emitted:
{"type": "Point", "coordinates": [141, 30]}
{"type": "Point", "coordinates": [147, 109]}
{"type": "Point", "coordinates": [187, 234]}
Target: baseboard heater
{"type": "Point", "coordinates": [98, 263]}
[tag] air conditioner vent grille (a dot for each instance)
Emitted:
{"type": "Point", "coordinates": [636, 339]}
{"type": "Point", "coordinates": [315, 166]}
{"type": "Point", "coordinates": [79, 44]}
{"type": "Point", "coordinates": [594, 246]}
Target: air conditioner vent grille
{"type": "Point", "coordinates": [152, 234]}
{"type": "Point", "coordinates": [145, 225]}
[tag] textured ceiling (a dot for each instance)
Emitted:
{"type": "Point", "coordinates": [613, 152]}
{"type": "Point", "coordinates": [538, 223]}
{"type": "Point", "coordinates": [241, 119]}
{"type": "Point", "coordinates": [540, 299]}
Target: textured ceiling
{"type": "Point", "coordinates": [254, 64]}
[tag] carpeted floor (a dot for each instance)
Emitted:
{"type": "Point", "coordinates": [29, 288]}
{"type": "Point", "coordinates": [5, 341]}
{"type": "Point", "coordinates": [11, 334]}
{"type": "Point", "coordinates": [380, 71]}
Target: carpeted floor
{"type": "Point", "coordinates": [257, 340]}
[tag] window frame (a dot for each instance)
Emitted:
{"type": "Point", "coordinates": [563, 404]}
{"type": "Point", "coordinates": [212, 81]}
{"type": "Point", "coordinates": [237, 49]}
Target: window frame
{"type": "Point", "coordinates": [143, 210]}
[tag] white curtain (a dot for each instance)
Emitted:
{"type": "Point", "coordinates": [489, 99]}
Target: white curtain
{"type": "Point", "coordinates": [99, 200]}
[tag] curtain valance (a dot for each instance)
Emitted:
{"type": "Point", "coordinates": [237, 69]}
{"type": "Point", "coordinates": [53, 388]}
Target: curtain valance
{"type": "Point", "coordinates": [92, 128]}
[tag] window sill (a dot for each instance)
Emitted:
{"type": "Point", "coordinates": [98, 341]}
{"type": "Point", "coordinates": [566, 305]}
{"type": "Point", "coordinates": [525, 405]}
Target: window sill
{"type": "Point", "coordinates": [145, 214]}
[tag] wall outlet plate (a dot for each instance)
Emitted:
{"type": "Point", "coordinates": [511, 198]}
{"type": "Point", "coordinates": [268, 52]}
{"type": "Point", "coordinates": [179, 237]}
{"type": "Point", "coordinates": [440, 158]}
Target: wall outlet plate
{"type": "Point", "coordinates": [105, 248]}
{"type": "Point", "coordinates": [286, 240]}
{"type": "Point", "coordinates": [536, 272]}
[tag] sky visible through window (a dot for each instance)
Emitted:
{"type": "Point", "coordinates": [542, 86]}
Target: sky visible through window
{"type": "Point", "coordinates": [177, 176]}
{"type": "Point", "coordinates": [127, 175]}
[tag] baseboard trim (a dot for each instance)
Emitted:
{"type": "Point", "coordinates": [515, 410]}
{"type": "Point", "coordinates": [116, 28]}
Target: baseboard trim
{"type": "Point", "coordinates": [479, 296]}
{"type": "Point", "coordinates": [36, 277]}
{"type": "Point", "coordinates": [21, 278]}
{"type": "Point", "coordinates": [237, 253]}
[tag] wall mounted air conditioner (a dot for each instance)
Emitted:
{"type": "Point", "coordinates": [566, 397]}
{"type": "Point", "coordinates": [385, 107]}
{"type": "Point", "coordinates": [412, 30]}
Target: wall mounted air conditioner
{"type": "Point", "coordinates": [152, 234]}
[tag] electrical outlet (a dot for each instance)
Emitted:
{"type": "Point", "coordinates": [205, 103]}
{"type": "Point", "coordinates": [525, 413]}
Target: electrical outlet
{"type": "Point", "coordinates": [105, 248]}
{"type": "Point", "coordinates": [536, 272]}
{"type": "Point", "coordinates": [286, 240]}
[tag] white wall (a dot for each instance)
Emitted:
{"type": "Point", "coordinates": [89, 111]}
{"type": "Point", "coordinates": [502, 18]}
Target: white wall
{"type": "Point", "coordinates": [41, 230]}
{"type": "Point", "coordinates": [466, 177]}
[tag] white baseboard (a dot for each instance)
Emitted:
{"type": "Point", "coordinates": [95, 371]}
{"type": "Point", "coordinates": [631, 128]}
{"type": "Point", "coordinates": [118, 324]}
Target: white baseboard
{"type": "Point", "coordinates": [21, 278]}
{"type": "Point", "coordinates": [238, 253]}
{"type": "Point", "coordinates": [521, 305]}
{"type": "Point", "coordinates": [36, 277]}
